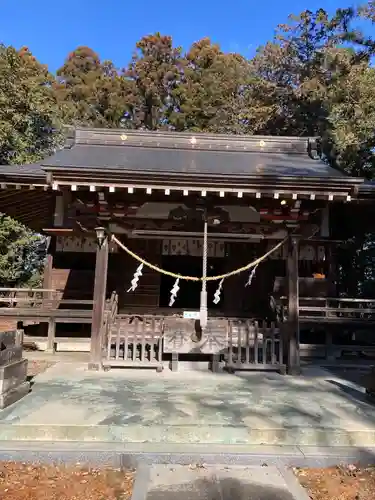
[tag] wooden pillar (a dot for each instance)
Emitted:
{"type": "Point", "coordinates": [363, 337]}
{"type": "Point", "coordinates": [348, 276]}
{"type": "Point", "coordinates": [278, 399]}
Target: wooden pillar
{"type": "Point", "coordinates": [47, 274]}
{"type": "Point", "coordinates": [324, 227]}
{"type": "Point", "coordinates": [100, 286]}
{"type": "Point", "coordinates": [330, 354]}
{"type": "Point", "coordinates": [294, 367]}
{"type": "Point", "coordinates": [331, 271]}
{"type": "Point", "coordinates": [51, 337]}
{"type": "Point", "coordinates": [58, 218]}
{"type": "Point", "coordinates": [48, 265]}
{"type": "Point", "coordinates": [48, 297]}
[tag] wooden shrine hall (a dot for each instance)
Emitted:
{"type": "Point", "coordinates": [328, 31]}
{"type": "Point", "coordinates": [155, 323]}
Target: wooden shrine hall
{"type": "Point", "coordinates": [168, 243]}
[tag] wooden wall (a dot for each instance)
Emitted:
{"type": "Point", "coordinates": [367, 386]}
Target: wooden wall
{"type": "Point", "coordinates": [147, 293]}
{"type": "Point", "coordinates": [235, 294]}
{"type": "Point", "coordinates": [74, 274]}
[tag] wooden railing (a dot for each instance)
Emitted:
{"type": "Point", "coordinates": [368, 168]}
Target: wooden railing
{"type": "Point", "coordinates": [334, 310]}
{"type": "Point", "coordinates": [342, 352]}
{"type": "Point", "coordinates": [39, 298]}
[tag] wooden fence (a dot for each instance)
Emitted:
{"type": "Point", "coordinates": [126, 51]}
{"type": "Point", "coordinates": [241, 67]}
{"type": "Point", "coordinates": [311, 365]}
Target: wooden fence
{"type": "Point", "coordinates": [134, 341]}
{"type": "Point", "coordinates": [240, 344]}
{"type": "Point", "coordinates": [254, 346]}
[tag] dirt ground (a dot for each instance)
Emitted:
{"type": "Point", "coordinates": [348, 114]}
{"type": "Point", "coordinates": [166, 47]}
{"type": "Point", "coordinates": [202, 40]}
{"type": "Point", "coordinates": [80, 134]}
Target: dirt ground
{"type": "Point", "coordinates": [339, 483]}
{"type": "Point", "coordinates": [20, 481]}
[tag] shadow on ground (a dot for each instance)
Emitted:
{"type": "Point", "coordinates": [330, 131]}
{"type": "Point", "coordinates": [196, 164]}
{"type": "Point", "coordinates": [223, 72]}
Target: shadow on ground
{"type": "Point", "coordinates": [193, 408]}
{"type": "Point", "coordinates": [352, 375]}
{"type": "Point", "coordinates": [224, 489]}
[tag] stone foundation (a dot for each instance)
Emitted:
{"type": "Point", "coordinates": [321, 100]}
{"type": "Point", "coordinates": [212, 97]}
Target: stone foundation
{"type": "Point", "coordinates": [13, 369]}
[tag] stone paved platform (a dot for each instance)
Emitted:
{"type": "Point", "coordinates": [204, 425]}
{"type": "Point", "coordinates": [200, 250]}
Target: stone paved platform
{"type": "Point", "coordinates": [68, 403]}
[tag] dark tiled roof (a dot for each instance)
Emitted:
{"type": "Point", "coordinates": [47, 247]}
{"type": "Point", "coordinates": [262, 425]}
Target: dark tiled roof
{"type": "Point", "coordinates": [145, 159]}
{"type": "Point", "coordinates": [367, 189]}
{"type": "Point", "coordinates": [31, 170]}
{"type": "Point", "coordinates": [143, 152]}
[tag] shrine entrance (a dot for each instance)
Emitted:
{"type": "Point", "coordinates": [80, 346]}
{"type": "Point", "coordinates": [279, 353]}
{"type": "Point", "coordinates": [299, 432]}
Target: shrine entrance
{"type": "Point", "coordinates": [188, 297]}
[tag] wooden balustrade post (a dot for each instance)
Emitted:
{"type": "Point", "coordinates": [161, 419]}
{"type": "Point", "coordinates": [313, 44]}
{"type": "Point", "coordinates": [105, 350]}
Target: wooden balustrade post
{"type": "Point", "coordinates": [100, 286]}
{"type": "Point", "coordinates": [51, 336]}
{"type": "Point", "coordinates": [20, 333]}
{"type": "Point", "coordinates": [293, 344]}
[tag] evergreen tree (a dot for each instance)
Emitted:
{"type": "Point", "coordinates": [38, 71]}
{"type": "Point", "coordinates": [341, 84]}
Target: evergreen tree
{"type": "Point", "coordinates": [21, 254]}
{"type": "Point", "coordinates": [90, 92]}
{"type": "Point", "coordinates": [151, 79]}
{"type": "Point", "coordinates": [29, 114]}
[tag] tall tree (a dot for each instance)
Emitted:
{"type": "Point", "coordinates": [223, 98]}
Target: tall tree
{"type": "Point", "coordinates": [352, 119]}
{"type": "Point", "coordinates": [29, 130]}
{"type": "Point", "coordinates": [90, 92]}
{"type": "Point", "coordinates": [294, 65]}
{"type": "Point", "coordinates": [213, 91]}
{"type": "Point", "coordinates": [312, 78]}
{"type": "Point", "coordinates": [29, 114]}
{"type": "Point", "coordinates": [152, 78]}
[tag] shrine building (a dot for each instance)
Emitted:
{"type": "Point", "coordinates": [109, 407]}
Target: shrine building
{"type": "Point", "coordinates": [136, 219]}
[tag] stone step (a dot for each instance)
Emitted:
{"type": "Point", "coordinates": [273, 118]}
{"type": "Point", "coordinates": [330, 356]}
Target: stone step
{"type": "Point", "coordinates": [185, 434]}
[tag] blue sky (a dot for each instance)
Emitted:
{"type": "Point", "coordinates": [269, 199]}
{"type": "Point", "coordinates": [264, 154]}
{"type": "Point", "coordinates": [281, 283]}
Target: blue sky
{"type": "Point", "coordinates": [52, 29]}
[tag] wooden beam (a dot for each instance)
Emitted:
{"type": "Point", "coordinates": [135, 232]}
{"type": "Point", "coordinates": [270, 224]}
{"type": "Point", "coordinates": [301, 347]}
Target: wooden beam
{"type": "Point", "coordinates": [28, 211]}
{"type": "Point", "coordinates": [100, 286]}
{"type": "Point", "coordinates": [61, 231]}
{"type": "Point", "coordinates": [293, 347]}
{"type": "Point", "coordinates": [59, 211]}
{"type": "Point", "coordinates": [16, 202]}
{"type": "Point", "coordinates": [31, 208]}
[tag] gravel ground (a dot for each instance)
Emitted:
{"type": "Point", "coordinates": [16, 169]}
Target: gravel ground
{"type": "Point", "coordinates": [20, 481]}
{"type": "Point", "coordinates": [338, 483]}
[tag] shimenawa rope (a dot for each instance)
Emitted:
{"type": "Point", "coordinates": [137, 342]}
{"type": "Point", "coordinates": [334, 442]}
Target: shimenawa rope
{"type": "Point", "coordinates": [194, 278]}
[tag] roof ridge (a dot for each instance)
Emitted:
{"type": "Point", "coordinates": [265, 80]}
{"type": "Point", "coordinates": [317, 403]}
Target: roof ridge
{"type": "Point", "coordinates": [193, 141]}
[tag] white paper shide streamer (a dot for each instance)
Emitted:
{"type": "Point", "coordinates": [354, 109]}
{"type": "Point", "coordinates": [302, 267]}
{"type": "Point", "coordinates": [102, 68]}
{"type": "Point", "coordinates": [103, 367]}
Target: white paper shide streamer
{"type": "Point", "coordinates": [134, 281]}
{"type": "Point", "coordinates": [217, 294]}
{"type": "Point", "coordinates": [251, 276]}
{"type": "Point", "coordinates": [174, 292]}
